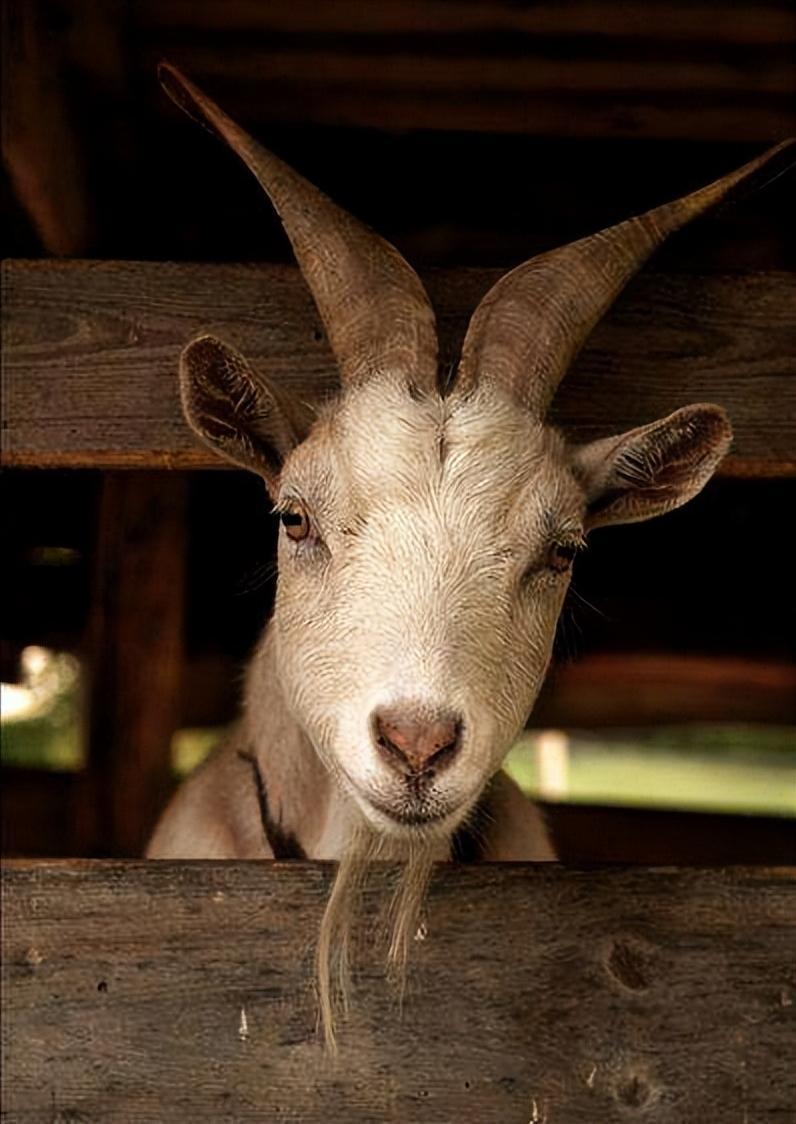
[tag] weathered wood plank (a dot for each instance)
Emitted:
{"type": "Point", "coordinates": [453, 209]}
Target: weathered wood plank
{"type": "Point", "coordinates": [90, 354]}
{"type": "Point", "coordinates": [139, 992]}
{"type": "Point", "coordinates": [578, 69]}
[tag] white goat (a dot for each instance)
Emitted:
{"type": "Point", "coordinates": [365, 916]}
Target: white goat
{"type": "Point", "coordinates": [427, 538]}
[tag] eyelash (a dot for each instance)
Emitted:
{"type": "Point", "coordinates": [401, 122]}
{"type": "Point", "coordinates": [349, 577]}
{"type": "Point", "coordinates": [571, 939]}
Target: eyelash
{"type": "Point", "coordinates": [546, 565]}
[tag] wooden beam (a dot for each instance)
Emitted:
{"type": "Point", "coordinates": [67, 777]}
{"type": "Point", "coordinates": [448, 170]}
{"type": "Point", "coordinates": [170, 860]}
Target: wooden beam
{"type": "Point", "coordinates": [134, 660]}
{"type": "Point", "coordinates": [90, 355]}
{"type": "Point", "coordinates": [183, 991]}
{"type": "Point", "coordinates": [593, 833]}
{"type": "Point", "coordinates": [712, 21]}
{"type": "Point", "coordinates": [584, 69]}
{"type": "Point", "coordinates": [652, 688]}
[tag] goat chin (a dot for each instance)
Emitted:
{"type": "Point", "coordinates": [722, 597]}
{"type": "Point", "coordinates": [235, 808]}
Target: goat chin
{"type": "Point", "coordinates": [408, 828]}
{"type": "Point", "coordinates": [415, 852]}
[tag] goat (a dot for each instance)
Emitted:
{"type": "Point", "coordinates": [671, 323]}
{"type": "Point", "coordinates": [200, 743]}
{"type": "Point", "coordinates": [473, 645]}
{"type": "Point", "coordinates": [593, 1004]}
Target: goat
{"type": "Point", "coordinates": [427, 539]}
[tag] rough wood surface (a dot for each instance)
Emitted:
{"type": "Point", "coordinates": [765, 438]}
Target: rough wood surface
{"type": "Point", "coordinates": [149, 992]}
{"type": "Point", "coordinates": [663, 69]}
{"type": "Point", "coordinates": [90, 354]}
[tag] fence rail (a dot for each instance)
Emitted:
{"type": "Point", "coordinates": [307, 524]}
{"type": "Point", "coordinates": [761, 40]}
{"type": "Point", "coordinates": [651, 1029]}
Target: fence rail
{"type": "Point", "coordinates": [90, 354]}
{"type": "Point", "coordinates": [168, 991]}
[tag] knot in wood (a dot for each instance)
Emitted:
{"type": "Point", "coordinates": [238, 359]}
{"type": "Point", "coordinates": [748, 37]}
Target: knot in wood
{"type": "Point", "coordinates": [630, 963]}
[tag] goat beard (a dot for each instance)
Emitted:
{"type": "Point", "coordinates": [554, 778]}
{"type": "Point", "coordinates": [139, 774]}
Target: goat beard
{"type": "Point", "coordinates": [333, 957]}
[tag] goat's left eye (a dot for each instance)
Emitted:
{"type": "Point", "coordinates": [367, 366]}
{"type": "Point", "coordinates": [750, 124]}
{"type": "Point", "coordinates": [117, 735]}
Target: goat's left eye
{"type": "Point", "coordinates": [295, 521]}
{"type": "Point", "coordinates": [561, 556]}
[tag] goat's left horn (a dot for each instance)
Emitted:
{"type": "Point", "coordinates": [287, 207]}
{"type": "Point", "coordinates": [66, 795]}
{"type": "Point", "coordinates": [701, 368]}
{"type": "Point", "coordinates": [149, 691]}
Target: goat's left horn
{"type": "Point", "coordinates": [530, 326]}
{"type": "Point", "coordinates": [374, 308]}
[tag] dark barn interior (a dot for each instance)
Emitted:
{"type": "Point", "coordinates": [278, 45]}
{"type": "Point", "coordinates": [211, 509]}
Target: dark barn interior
{"type": "Point", "coordinates": [472, 135]}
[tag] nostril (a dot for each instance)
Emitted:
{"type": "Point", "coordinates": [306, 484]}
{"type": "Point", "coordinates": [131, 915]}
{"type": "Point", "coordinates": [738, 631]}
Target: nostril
{"type": "Point", "coordinates": [444, 753]}
{"type": "Point", "coordinates": [389, 747]}
{"type": "Point", "coordinates": [413, 740]}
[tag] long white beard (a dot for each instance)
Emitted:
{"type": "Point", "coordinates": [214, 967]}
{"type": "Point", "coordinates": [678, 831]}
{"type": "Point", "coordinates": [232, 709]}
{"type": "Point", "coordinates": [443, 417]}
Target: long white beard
{"type": "Point", "coordinates": [416, 856]}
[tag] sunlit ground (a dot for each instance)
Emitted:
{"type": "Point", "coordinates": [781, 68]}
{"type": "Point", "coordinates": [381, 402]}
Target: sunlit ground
{"type": "Point", "coordinates": [716, 768]}
{"type": "Point", "coordinates": [704, 768]}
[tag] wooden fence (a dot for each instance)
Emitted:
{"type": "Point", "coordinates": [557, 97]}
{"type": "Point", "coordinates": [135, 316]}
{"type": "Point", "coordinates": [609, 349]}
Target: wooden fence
{"type": "Point", "coordinates": [91, 352]}
{"type": "Point", "coordinates": [538, 995]}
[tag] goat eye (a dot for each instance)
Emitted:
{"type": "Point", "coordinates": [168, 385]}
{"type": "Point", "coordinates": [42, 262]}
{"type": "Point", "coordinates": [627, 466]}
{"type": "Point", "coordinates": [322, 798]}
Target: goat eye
{"type": "Point", "coordinates": [295, 521]}
{"type": "Point", "coordinates": [561, 556]}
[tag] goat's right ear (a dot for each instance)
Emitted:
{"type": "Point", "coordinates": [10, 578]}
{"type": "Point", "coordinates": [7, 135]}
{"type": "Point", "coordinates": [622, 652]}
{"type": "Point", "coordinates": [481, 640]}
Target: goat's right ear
{"type": "Point", "coordinates": [232, 410]}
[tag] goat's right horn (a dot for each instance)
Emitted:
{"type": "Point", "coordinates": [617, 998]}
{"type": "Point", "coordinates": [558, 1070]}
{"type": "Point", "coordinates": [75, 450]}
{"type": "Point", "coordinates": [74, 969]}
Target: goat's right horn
{"type": "Point", "coordinates": [373, 306]}
{"type": "Point", "coordinates": [531, 324]}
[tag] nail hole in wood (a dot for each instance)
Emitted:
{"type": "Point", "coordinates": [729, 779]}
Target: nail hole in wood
{"type": "Point", "coordinates": [633, 1092]}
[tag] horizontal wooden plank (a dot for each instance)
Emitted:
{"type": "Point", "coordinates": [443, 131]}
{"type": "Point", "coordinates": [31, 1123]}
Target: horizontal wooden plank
{"type": "Point", "coordinates": [136, 992]}
{"type": "Point", "coordinates": [708, 71]}
{"type": "Point", "coordinates": [710, 21]}
{"type": "Point", "coordinates": [651, 688]}
{"type": "Point", "coordinates": [90, 355]}
{"type": "Point", "coordinates": [595, 833]}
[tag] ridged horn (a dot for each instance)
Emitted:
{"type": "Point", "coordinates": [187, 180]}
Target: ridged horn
{"type": "Point", "coordinates": [373, 306]}
{"type": "Point", "coordinates": [530, 326]}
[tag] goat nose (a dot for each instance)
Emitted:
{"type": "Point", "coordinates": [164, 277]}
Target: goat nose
{"type": "Point", "coordinates": [411, 741]}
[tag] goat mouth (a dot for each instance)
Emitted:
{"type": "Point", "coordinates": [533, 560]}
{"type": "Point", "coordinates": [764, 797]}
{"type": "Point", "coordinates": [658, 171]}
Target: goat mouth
{"type": "Point", "coordinates": [410, 817]}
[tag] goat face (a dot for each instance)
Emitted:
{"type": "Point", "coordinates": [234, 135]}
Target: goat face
{"type": "Point", "coordinates": [419, 590]}
{"type": "Point", "coordinates": [427, 538]}
{"type": "Point", "coordinates": [424, 555]}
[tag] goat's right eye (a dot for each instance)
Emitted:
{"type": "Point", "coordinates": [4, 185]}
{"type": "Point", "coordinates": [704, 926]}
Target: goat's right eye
{"type": "Point", "coordinates": [295, 521]}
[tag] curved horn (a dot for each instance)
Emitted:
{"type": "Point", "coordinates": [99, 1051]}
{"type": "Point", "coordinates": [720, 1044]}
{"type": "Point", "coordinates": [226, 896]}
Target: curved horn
{"type": "Point", "coordinates": [374, 308]}
{"type": "Point", "coordinates": [530, 326]}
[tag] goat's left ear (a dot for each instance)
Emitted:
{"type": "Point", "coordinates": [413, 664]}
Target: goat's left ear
{"type": "Point", "coordinates": [233, 411]}
{"type": "Point", "coordinates": [653, 469]}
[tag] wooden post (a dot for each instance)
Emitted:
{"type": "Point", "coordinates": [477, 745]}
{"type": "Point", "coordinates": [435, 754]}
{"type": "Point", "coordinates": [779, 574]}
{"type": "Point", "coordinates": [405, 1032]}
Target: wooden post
{"type": "Point", "coordinates": [41, 148]}
{"type": "Point", "coordinates": [135, 657]}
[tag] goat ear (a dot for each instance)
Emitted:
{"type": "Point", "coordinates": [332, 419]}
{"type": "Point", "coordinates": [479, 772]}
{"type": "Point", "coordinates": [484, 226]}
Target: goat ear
{"type": "Point", "coordinates": [653, 469]}
{"type": "Point", "coordinates": [232, 410]}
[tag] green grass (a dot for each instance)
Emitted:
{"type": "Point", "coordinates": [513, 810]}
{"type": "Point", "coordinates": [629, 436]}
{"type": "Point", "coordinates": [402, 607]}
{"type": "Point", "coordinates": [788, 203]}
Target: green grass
{"type": "Point", "coordinates": [706, 768]}
{"type": "Point", "coordinates": [190, 746]}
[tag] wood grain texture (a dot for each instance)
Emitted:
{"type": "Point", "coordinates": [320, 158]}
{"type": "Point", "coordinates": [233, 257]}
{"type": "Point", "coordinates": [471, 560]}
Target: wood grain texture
{"type": "Point", "coordinates": [90, 355]}
{"type": "Point", "coordinates": [661, 69]}
{"type": "Point", "coordinates": [142, 992]}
